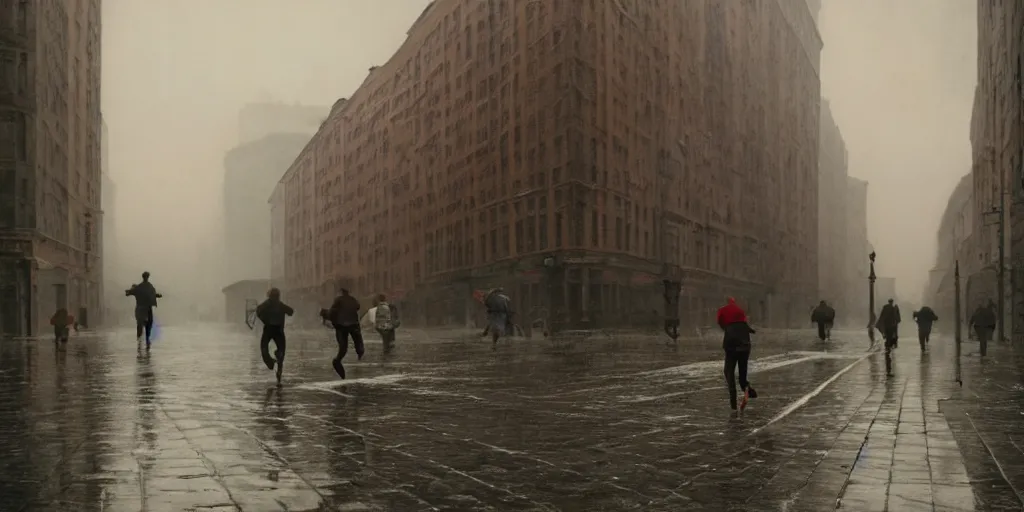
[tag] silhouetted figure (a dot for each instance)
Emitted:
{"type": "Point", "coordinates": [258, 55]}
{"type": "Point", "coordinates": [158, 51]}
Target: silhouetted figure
{"type": "Point", "coordinates": [983, 322]}
{"type": "Point", "coordinates": [145, 300]}
{"type": "Point", "coordinates": [60, 322]}
{"type": "Point", "coordinates": [671, 296]}
{"type": "Point", "coordinates": [889, 324]}
{"type": "Point", "coordinates": [925, 317]}
{"type": "Point", "coordinates": [824, 316]}
{"type": "Point", "coordinates": [499, 314]}
{"type": "Point", "coordinates": [344, 316]}
{"type": "Point", "coordinates": [736, 343]}
{"type": "Point", "coordinates": [272, 313]}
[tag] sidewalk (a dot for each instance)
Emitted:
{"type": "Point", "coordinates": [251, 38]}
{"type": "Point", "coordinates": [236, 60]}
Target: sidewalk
{"type": "Point", "coordinates": [874, 443]}
{"type": "Point", "coordinates": [987, 419]}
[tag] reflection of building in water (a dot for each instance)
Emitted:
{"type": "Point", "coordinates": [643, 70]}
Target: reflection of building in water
{"type": "Point", "coordinates": [49, 163]}
{"type": "Point", "coordinates": [563, 157]}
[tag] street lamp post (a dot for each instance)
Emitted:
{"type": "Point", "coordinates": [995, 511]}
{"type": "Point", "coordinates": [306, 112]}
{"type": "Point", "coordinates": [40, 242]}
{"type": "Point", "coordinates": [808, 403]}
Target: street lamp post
{"type": "Point", "coordinates": [956, 305]}
{"type": "Point", "coordinates": [871, 299]}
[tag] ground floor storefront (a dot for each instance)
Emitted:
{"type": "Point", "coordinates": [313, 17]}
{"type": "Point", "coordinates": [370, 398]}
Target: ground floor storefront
{"type": "Point", "coordinates": [36, 280]}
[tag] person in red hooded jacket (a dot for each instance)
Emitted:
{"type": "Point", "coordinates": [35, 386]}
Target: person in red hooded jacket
{"type": "Point", "coordinates": [736, 342]}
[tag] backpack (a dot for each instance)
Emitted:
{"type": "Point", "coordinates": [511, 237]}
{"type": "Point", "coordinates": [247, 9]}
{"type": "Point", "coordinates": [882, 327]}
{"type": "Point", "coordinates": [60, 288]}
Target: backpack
{"type": "Point", "coordinates": [382, 319]}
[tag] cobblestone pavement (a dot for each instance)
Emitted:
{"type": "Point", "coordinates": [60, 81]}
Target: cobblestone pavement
{"type": "Point", "coordinates": [445, 423]}
{"type": "Point", "coordinates": [986, 416]}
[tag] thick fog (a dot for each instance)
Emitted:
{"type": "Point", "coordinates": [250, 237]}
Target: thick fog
{"type": "Point", "coordinates": [176, 74]}
{"type": "Point", "coordinates": [900, 75]}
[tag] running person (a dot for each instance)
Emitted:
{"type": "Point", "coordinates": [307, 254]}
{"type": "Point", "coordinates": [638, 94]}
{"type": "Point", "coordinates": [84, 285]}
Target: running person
{"type": "Point", "coordinates": [272, 313]}
{"type": "Point", "coordinates": [925, 317]}
{"type": "Point", "coordinates": [736, 343]}
{"type": "Point", "coordinates": [145, 300]}
{"type": "Point", "coordinates": [344, 315]}
{"type": "Point", "coordinates": [499, 312]}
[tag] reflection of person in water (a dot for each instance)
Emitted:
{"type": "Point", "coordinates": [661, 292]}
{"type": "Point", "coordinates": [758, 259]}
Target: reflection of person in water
{"type": "Point", "coordinates": [145, 380]}
{"type": "Point", "coordinates": [276, 415]}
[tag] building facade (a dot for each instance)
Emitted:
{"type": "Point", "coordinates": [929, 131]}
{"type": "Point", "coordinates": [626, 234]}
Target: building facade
{"type": "Point", "coordinates": [954, 237]}
{"type": "Point", "coordinates": [50, 176]}
{"type": "Point", "coordinates": [998, 142]}
{"type": "Point", "coordinates": [577, 154]}
{"type": "Point", "coordinates": [833, 188]}
{"type": "Point", "coordinates": [250, 173]}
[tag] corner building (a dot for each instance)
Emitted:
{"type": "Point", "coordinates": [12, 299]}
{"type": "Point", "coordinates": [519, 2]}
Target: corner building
{"type": "Point", "coordinates": [50, 176]}
{"type": "Point", "coordinates": [575, 153]}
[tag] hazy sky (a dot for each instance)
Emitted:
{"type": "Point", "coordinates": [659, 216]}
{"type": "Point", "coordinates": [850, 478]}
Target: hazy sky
{"type": "Point", "coordinates": [899, 74]}
{"type": "Point", "coordinates": [176, 73]}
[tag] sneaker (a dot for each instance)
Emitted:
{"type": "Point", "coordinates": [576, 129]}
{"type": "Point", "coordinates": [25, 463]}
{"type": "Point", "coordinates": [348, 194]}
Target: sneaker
{"type": "Point", "coordinates": [743, 401]}
{"type": "Point", "coordinates": [751, 392]}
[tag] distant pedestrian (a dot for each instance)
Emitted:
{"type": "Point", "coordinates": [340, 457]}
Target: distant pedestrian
{"type": "Point", "coordinates": [344, 316]}
{"type": "Point", "coordinates": [736, 343]}
{"type": "Point", "coordinates": [889, 324]}
{"type": "Point", "coordinates": [925, 317]}
{"type": "Point", "coordinates": [145, 300]}
{"type": "Point", "coordinates": [60, 322]}
{"type": "Point", "coordinates": [824, 316]}
{"type": "Point", "coordinates": [499, 314]}
{"type": "Point", "coordinates": [272, 313]}
{"type": "Point", "coordinates": [384, 317]}
{"type": "Point", "coordinates": [983, 322]}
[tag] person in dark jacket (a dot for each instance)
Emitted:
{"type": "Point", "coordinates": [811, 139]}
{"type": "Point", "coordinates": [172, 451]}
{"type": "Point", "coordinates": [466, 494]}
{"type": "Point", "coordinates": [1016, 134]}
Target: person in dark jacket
{"type": "Point", "coordinates": [889, 324]}
{"type": "Point", "coordinates": [824, 316]}
{"type": "Point", "coordinates": [925, 317]}
{"type": "Point", "coordinates": [272, 313]}
{"type": "Point", "coordinates": [736, 343]}
{"type": "Point", "coordinates": [145, 300]}
{"type": "Point", "coordinates": [60, 322]}
{"type": "Point", "coordinates": [983, 322]}
{"type": "Point", "coordinates": [344, 316]}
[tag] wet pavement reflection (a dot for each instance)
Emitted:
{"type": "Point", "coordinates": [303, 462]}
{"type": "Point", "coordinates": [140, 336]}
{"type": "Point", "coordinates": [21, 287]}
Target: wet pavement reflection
{"type": "Point", "coordinates": [445, 423]}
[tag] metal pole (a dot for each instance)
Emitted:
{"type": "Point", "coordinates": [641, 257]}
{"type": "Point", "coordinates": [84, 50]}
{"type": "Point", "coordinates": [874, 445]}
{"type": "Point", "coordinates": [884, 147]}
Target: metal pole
{"type": "Point", "coordinates": [871, 300]}
{"type": "Point", "coordinates": [1000, 288]}
{"type": "Point", "coordinates": [957, 330]}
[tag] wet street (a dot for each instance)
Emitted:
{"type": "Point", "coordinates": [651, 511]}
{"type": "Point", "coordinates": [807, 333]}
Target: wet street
{"type": "Point", "coordinates": [445, 423]}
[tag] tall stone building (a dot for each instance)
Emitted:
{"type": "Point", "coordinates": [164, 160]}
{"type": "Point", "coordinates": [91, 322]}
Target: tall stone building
{"type": "Point", "coordinates": [576, 153]}
{"type": "Point", "coordinates": [833, 185]}
{"type": "Point", "coordinates": [251, 171]}
{"type": "Point", "coordinates": [50, 179]}
{"type": "Point", "coordinates": [954, 238]}
{"type": "Point", "coordinates": [998, 142]}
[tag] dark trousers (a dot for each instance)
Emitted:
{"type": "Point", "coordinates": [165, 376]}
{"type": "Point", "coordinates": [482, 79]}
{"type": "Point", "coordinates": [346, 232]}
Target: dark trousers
{"type": "Point", "coordinates": [924, 331]}
{"type": "Point", "coordinates": [144, 322]}
{"type": "Point", "coordinates": [892, 337]}
{"type": "Point", "coordinates": [821, 331]}
{"type": "Point", "coordinates": [984, 332]}
{"type": "Point", "coordinates": [273, 333]}
{"type": "Point", "coordinates": [341, 334]}
{"type": "Point", "coordinates": [735, 359]}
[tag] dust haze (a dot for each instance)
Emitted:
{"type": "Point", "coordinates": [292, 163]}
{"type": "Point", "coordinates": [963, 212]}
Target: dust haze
{"type": "Point", "coordinates": [899, 74]}
{"type": "Point", "coordinates": [176, 73]}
